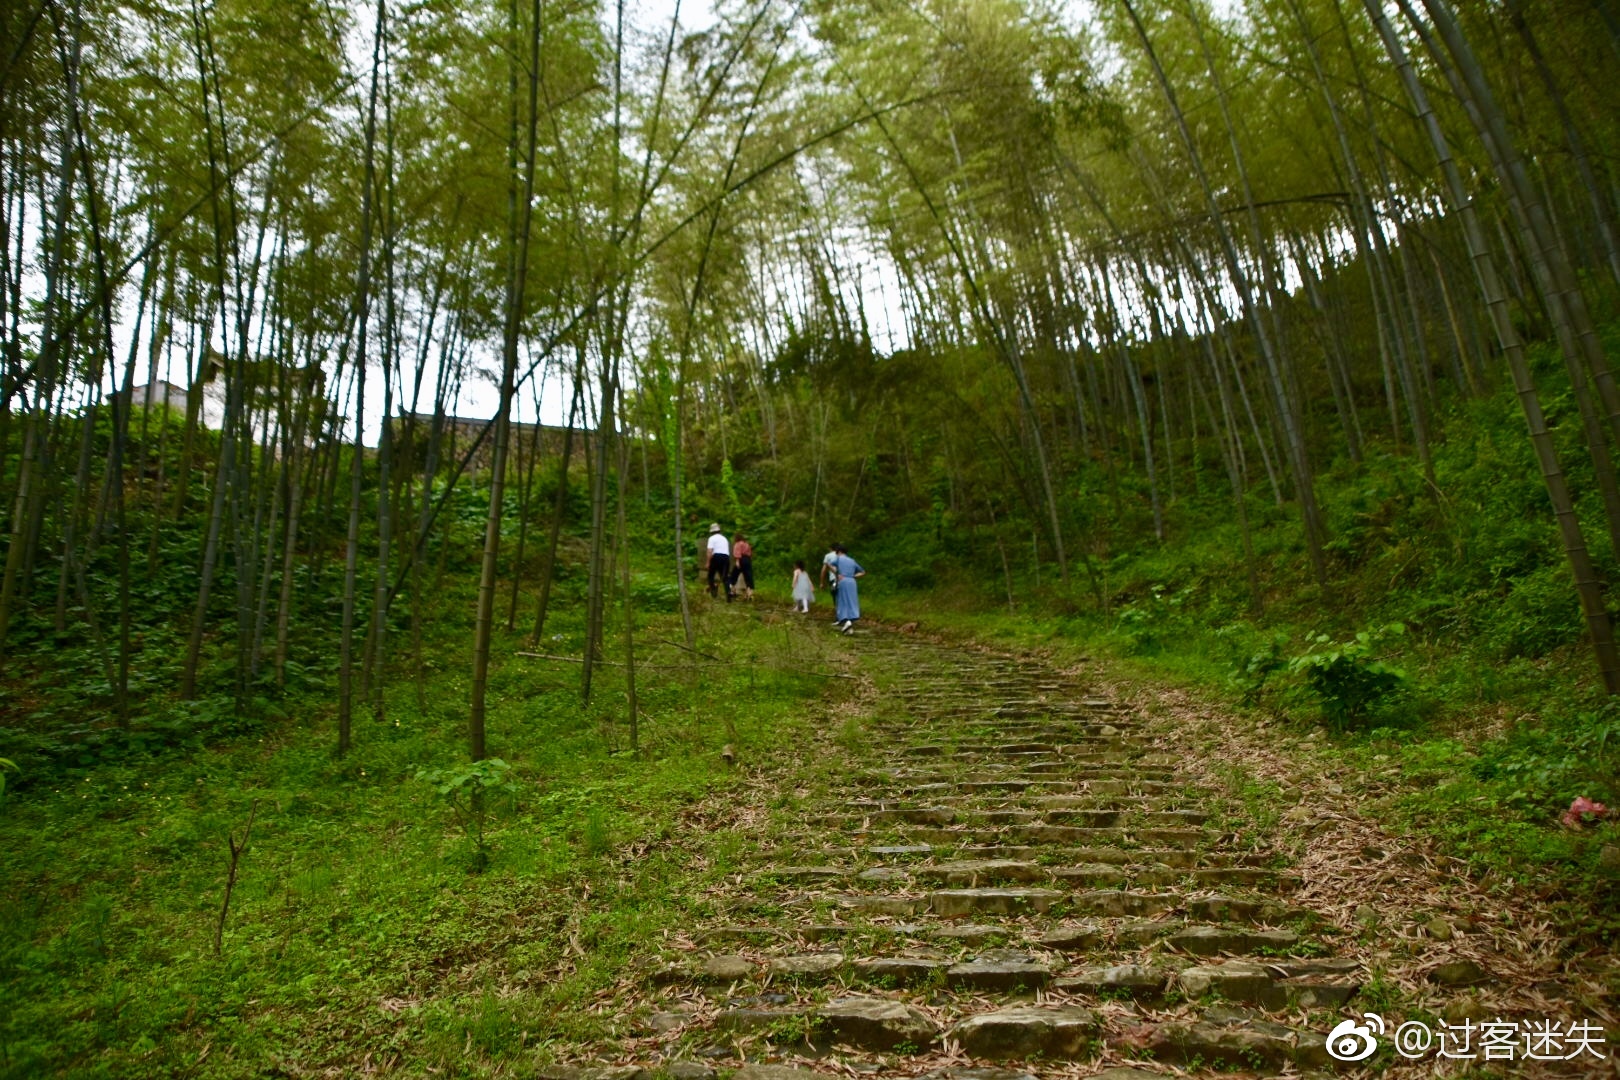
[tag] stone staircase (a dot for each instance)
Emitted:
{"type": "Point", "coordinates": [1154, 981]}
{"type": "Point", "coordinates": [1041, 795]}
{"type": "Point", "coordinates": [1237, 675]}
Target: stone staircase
{"type": "Point", "coordinates": [1008, 877]}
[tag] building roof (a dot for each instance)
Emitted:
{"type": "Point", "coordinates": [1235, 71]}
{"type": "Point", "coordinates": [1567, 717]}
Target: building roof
{"type": "Point", "coordinates": [426, 419]}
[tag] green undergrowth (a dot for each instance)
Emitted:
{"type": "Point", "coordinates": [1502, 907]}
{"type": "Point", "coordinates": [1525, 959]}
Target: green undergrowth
{"type": "Point", "coordinates": [1445, 659]}
{"type": "Point", "coordinates": [367, 921]}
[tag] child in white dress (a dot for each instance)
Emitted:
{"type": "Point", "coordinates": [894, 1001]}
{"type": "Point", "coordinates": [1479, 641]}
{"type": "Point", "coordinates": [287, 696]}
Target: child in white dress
{"type": "Point", "coordinates": [803, 590]}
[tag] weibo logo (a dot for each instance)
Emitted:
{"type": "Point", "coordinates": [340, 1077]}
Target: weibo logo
{"type": "Point", "coordinates": [1351, 1041]}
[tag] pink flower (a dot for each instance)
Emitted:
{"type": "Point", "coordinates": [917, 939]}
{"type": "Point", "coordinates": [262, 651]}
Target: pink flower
{"type": "Point", "coordinates": [1577, 814]}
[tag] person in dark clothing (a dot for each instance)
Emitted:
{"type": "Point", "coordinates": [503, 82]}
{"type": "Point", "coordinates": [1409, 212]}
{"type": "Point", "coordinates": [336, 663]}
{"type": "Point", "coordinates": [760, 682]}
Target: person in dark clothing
{"type": "Point", "coordinates": [719, 561]}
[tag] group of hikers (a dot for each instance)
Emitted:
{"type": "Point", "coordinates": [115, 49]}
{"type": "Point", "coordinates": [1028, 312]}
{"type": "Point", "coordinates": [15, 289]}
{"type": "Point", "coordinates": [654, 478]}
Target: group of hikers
{"type": "Point", "coordinates": [732, 561]}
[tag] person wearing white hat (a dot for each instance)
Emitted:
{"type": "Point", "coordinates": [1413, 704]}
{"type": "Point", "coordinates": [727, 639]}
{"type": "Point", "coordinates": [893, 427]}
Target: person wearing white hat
{"type": "Point", "coordinates": [719, 561]}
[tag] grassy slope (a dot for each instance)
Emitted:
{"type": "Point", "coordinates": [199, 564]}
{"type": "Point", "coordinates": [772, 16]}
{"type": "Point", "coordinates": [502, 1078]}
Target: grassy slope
{"type": "Point", "coordinates": [1500, 722]}
{"type": "Point", "coordinates": [358, 927]}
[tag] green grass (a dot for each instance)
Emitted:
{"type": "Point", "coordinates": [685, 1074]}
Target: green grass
{"type": "Point", "coordinates": [361, 924]}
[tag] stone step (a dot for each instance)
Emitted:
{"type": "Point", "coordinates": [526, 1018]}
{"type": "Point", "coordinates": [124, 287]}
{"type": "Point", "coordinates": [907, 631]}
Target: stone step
{"type": "Point", "coordinates": [1269, 986]}
{"type": "Point", "coordinates": [957, 903]}
{"type": "Point", "coordinates": [1088, 835]}
{"type": "Point", "coordinates": [1169, 818]}
{"type": "Point", "coordinates": [808, 967]}
{"type": "Point", "coordinates": [1017, 973]}
{"type": "Point", "coordinates": [1113, 749]}
{"type": "Point", "coordinates": [1053, 748]}
{"type": "Point", "coordinates": [1206, 940]}
{"type": "Point", "coordinates": [749, 1020]}
{"type": "Point", "coordinates": [1236, 1044]}
{"type": "Point", "coordinates": [1036, 709]}
{"type": "Point", "coordinates": [1120, 763]}
{"type": "Point", "coordinates": [1254, 877]}
{"type": "Point", "coordinates": [1088, 819]}
{"type": "Point", "coordinates": [901, 970]}
{"type": "Point", "coordinates": [872, 1023]}
{"type": "Point", "coordinates": [751, 934]}
{"type": "Point", "coordinates": [1119, 869]}
{"type": "Point", "coordinates": [1038, 730]}
{"type": "Point", "coordinates": [804, 873]}
{"type": "Point", "coordinates": [1092, 799]}
{"type": "Point", "coordinates": [1063, 718]}
{"type": "Point", "coordinates": [902, 833]}
{"type": "Point", "coordinates": [1150, 823]}
{"type": "Point", "coordinates": [910, 815]}
{"type": "Point", "coordinates": [1190, 840]}
{"type": "Point", "coordinates": [1173, 837]}
{"type": "Point", "coordinates": [1120, 903]}
{"type": "Point", "coordinates": [889, 905]}
{"type": "Point", "coordinates": [972, 872]}
{"type": "Point", "coordinates": [1081, 748]}
{"type": "Point", "coordinates": [1061, 1033]}
{"type": "Point", "coordinates": [987, 787]}
{"type": "Point", "coordinates": [1094, 935]}
{"type": "Point", "coordinates": [725, 969]}
{"type": "Point", "coordinates": [1053, 797]}
{"type": "Point", "coordinates": [900, 851]}
{"type": "Point", "coordinates": [1089, 935]}
{"type": "Point", "coordinates": [1182, 858]}
{"type": "Point", "coordinates": [972, 935]}
{"type": "Point", "coordinates": [1136, 981]}
{"type": "Point", "coordinates": [1067, 766]}
{"type": "Point", "coordinates": [1081, 779]}
{"type": "Point", "coordinates": [1049, 807]}
{"type": "Point", "coordinates": [1098, 935]}
{"type": "Point", "coordinates": [1233, 980]}
{"type": "Point", "coordinates": [1092, 875]}
{"type": "Point", "coordinates": [1006, 816]}
{"type": "Point", "coordinates": [1217, 908]}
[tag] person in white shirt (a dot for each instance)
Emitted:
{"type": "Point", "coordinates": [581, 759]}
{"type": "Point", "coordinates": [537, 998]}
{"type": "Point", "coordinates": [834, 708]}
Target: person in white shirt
{"type": "Point", "coordinates": [719, 561]}
{"type": "Point", "coordinates": [829, 561]}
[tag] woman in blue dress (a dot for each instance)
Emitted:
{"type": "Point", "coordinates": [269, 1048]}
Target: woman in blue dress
{"type": "Point", "coordinates": [846, 596]}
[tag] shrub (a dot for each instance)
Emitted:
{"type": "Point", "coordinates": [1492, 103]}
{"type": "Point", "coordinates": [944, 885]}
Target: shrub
{"type": "Point", "coordinates": [1249, 677]}
{"type": "Point", "coordinates": [468, 789]}
{"type": "Point", "coordinates": [1347, 678]}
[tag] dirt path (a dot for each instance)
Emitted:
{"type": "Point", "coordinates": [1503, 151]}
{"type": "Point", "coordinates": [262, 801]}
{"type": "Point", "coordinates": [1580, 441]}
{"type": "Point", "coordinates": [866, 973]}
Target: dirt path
{"type": "Point", "coordinates": [1001, 870]}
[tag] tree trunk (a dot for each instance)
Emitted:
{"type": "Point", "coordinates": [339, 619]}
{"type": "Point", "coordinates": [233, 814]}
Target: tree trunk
{"type": "Point", "coordinates": [361, 313]}
{"type": "Point", "coordinates": [1587, 584]}
{"type": "Point", "coordinates": [521, 214]}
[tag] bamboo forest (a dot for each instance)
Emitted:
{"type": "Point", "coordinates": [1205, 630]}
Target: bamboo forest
{"type": "Point", "coordinates": [794, 539]}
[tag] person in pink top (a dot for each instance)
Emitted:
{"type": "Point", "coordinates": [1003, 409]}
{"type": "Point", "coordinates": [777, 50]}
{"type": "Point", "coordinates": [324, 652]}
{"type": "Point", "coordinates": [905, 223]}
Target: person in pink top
{"type": "Point", "coordinates": [742, 565]}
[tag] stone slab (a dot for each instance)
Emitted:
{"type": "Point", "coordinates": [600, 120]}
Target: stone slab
{"type": "Point", "coordinates": [810, 964]}
{"type": "Point", "coordinates": [956, 903]}
{"type": "Point", "coordinates": [870, 1023]}
{"type": "Point", "coordinates": [1121, 903]}
{"type": "Point", "coordinates": [999, 976]}
{"type": "Point", "coordinates": [1063, 1032]}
